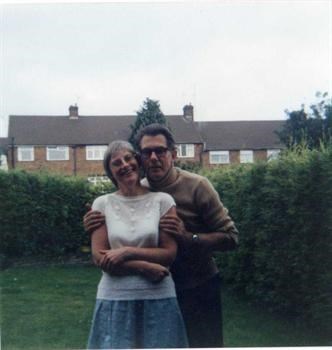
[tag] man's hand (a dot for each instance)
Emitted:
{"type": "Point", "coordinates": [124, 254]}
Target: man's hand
{"type": "Point", "coordinates": [92, 220]}
{"type": "Point", "coordinates": [174, 226]}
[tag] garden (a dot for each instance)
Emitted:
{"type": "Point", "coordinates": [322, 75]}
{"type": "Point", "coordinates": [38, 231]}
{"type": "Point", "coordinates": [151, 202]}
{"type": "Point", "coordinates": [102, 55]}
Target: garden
{"type": "Point", "coordinates": [277, 284]}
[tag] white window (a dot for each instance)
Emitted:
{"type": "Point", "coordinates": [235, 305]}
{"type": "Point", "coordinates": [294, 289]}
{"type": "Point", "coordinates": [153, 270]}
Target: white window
{"type": "Point", "coordinates": [219, 157]}
{"type": "Point", "coordinates": [246, 156]}
{"type": "Point", "coordinates": [272, 154]}
{"type": "Point", "coordinates": [98, 179]}
{"type": "Point", "coordinates": [95, 152]}
{"type": "Point", "coordinates": [25, 154]}
{"type": "Point", "coordinates": [57, 153]}
{"type": "Point", "coordinates": [3, 162]}
{"type": "Point", "coordinates": [186, 150]}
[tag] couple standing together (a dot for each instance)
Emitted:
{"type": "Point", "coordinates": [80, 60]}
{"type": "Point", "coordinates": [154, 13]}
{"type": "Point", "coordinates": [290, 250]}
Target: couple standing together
{"type": "Point", "coordinates": [172, 220]}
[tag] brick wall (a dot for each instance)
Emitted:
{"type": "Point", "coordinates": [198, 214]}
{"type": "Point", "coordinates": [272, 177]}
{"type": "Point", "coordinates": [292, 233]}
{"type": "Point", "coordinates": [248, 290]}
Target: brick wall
{"type": "Point", "coordinates": [194, 160]}
{"type": "Point", "coordinates": [84, 167]}
{"type": "Point", "coordinates": [67, 167]}
{"type": "Point", "coordinates": [234, 158]}
{"type": "Point", "coordinates": [87, 167]}
{"type": "Point", "coordinates": [260, 155]}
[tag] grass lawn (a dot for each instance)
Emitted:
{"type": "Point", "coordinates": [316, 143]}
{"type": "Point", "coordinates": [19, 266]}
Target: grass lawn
{"type": "Point", "coordinates": [50, 307]}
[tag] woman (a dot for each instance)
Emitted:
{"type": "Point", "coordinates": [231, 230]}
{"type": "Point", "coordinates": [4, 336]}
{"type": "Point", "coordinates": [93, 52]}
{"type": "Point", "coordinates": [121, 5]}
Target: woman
{"type": "Point", "coordinates": [136, 305]}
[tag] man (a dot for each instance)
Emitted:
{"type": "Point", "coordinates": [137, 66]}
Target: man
{"type": "Point", "coordinates": [201, 227]}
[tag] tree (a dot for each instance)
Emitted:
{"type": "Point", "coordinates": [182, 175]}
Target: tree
{"type": "Point", "coordinates": [312, 128]}
{"type": "Point", "coordinates": [148, 114]}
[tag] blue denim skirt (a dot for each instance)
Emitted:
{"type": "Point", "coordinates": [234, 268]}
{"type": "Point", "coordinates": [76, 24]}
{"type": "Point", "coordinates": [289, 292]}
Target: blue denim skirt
{"type": "Point", "coordinates": [127, 324]}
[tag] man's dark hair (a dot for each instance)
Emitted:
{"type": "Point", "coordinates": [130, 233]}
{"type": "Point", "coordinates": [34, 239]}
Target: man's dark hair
{"type": "Point", "coordinates": [154, 130]}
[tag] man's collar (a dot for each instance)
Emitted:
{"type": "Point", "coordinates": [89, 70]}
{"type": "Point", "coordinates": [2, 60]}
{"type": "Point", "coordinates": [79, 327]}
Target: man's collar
{"type": "Point", "coordinates": [167, 180]}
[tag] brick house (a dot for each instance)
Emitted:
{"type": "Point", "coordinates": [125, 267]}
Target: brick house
{"type": "Point", "coordinates": [74, 144]}
{"type": "Point", "coordinates": [239, 141]}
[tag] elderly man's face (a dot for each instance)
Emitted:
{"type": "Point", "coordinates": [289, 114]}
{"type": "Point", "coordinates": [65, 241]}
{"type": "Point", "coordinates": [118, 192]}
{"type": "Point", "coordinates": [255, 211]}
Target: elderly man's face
{"type": "Point", "coordinates": [157, 159]}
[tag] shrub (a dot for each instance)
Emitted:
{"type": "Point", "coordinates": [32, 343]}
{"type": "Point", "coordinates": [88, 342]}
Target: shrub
{"type": "Point", "coordinates": [283, 210]}
{"type": "Point", "coordinates": [42, 214]}
{"type": "Point", "coordinates": [189, 166]}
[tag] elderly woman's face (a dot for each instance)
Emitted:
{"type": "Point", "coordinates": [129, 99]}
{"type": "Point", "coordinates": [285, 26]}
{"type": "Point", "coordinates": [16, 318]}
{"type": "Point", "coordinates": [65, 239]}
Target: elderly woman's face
{"type": "Point", "coordinates": [124, 167]}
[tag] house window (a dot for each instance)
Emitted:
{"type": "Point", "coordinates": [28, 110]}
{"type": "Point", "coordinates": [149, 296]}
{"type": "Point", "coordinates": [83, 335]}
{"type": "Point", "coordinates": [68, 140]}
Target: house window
{"type": "Point", "coordinates": [186, 150]}
{"type": "Point", "coordinates": [95, 152]}
{"type": "Point", "coordinates": [219, 157]}
{"type": "Point", "coordinates": [57, 153]}
{"type": "Point", "coordinates": [25, 154]}
{"type": "Point", "coordinates": [3, 162]}
{"type": "Point", "coordinates": [272, 154]}
{"type": "Point", "coordinates": [246, 156]}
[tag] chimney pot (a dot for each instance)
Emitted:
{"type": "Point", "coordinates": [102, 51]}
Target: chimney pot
{"type": "Point", "coordinates": [188, 112]}
{"type": "Point", "coordinates": [73, 112]}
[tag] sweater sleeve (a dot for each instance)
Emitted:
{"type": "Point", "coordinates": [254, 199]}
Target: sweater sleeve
{"type": "Point", "coordinates": [212, 210]}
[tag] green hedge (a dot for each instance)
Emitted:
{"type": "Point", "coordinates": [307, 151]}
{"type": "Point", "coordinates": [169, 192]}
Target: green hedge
{"type": "Point", "coordinates": [283, 210]}
{"type": "Point", "coordinates": [42, 214]}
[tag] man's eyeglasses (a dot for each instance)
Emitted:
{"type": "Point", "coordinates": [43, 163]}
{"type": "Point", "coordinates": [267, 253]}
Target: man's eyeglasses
{"type": "Point", "coordinates": [158, 151]}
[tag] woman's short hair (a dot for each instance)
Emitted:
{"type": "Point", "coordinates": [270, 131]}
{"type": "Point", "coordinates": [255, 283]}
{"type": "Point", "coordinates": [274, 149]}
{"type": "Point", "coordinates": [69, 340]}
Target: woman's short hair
{"type": "Point", "coordinates": [154, 130]}
{"type": "Point", "coordinates": [113, 147]}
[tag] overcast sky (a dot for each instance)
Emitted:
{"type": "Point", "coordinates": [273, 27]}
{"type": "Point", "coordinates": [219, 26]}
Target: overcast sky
{"type": "Point", "coordinates": [232, 60]}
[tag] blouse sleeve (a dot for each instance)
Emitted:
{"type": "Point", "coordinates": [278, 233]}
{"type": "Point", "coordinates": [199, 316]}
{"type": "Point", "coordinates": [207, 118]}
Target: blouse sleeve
{"type": "Point", "coordinates": [99, 204]}
{"type": "Point", "coordinates": [166, 203]}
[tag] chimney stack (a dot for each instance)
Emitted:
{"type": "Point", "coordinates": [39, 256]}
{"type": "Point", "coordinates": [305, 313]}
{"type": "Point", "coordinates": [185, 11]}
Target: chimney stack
{"type": "Point", "coordinates": [73, 112]}
{"type": "Point", "coordinates": [188, 112]}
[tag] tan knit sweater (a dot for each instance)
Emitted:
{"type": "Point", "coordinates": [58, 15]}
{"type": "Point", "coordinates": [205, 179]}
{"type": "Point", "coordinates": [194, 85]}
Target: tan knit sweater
{"type": "Point", "coordinates": [201, 210]}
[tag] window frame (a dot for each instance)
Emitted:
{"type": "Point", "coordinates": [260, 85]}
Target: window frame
{"type": "Point", "coordinates": [190, 150]}
{"type": "Point", "coordinates": [272, 154]}
{"type": "Point", "coordinates": [245, 153]}
{"type": "Point", "coordinates": [66, 149]}
{"type": "Point", "coordinates": [94, 149]}
{"type": "Point", "coordinates": [22, 148]}
{"type": "Point", "coordinates": [219, 153]}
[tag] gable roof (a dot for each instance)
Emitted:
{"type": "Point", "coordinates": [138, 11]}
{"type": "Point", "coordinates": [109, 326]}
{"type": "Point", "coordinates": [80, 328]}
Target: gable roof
{"type": "Point", "coordinates": [101, 130]}
{"type": "Point", "coordinates": [183, 130]}
{"type": "Point", "coordinates": [237, 135]}
{"type": "Point", "coordinates": [87, 130]}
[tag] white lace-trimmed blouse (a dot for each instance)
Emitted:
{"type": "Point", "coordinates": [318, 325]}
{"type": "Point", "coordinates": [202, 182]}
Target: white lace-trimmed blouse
{"type": "Point", "coordinates": [133, 221]}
